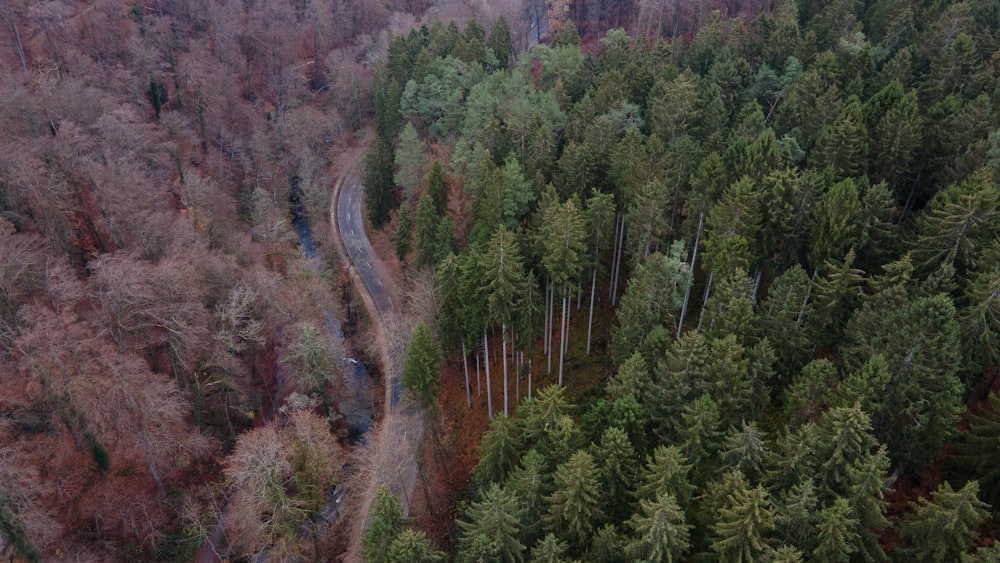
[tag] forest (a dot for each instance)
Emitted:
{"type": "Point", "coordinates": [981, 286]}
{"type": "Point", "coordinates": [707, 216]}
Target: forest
{"type": "Point", "coordinates": [789, 224]}
{"type": "Point", "coordinates": [769, 232]}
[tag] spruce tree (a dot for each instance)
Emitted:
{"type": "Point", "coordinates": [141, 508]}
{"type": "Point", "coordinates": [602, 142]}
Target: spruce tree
{"type": "Point", "coordinates": [401, 240]}
{"type": "Point", "coordinates": [660, 533]}
{"type": "Point", "coordinates": [421, 376]}
{"type": "Point", "coordinates": [549, 549]}
{"type": "Point", "coordinates": [385, 525]}
{"type": "Point", "coordinates": [575, 504]}
{"type": "Point", "coordinates": [414, 546]}
{"type": "Point", "coordinates": [743, 524]}
{"type": "Point", "coordinates": [491, 528]}
{"type": "Point", "coordinates": [666, 471]}
{"type": "Point", "coordinates": [945, 526]}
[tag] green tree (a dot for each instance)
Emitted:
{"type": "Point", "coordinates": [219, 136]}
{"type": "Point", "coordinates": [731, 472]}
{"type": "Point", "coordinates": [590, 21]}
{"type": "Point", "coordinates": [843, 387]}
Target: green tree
{"type": "Point", "coordinates": [946, 526]}
{"type": "Point", "coordinates": [421, 376]}
{"type": "Point", "coordinates": [837, 535]}
{"type": "Point", "coordinates": [563, 238]}
{"type": "Point", "coordinates": [506, 282]}
{"type": "Point", "coordinates": [617, 468]}
{"type": "Point", "coordinates": [427, 222]}
{"type": "Point", "coordinates": [958, 221]}
{"type": "Point", "coordinates": [549, 549]}
{"type": "Point", "coordinates": [499, 452]}
{"type": "Point", "coordinates": [410, 161]}
{"type": "Point", "coordinates": [653, 296]}
{"type": "Point", "coordinates": [415, 546]}
{"type": "Point", "coordinates": [661, 535]}
{"type": "Point", "coordinates": [499, 41]}
{"type": "Point", "coordinates": [401, 240]}
{"type": "Point", "coordinates": [574, 506]}
{"type": "Point", "coordinates": [531, 482]}
{"type": "Point", "coordinates": [491, 528]}
{"type": "Point", "coordinates": [743, 524]}
{"type": "Point", "coordinates": [835, 223]}
{"type": "Point", "coordinates": [976, 454]}
{"type": "Point", "coordinates": [377, 178]}
{"type": "Point", "coordinates": [666, 472]}
{"type": "Point", "coordinates": [437, 188]}
{"type": "Point", "coordinates": [385, 524]}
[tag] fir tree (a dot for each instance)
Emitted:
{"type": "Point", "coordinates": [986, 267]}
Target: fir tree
{"type": "Point", "coordinates": [385, 525]}
{"type": "Point", "coordinates": [946, 526]}
{"type": "Point", "coordinates": [575, 504]}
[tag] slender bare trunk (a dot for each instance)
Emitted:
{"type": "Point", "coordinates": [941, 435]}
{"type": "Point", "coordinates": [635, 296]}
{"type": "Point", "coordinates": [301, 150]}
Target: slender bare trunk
{"type": "Point", "coordinates": [708, 288]}
{"type": "Point", "coordinates": [694, 259]}
{"type": "Point", "coordinates": [465, 369]}
{"type": "Point", "coordinates": [503, 359]}
{"type": "Point", "coordinates": [614, 255]}
{"type": "Point", "coordinates": [590, 319]}
{"type": "Point", "coordinates": [562, 335]}
{"type": "Point", "coordinates": [479, 387]}
{"type": "Point", "coordinates": [552, 306]}
{"type": "Point", "coordinates": [489, 387]}
{"type": "Point", "coordinates": [579, 293]}
{"type": "Point", "coordinates": [618, 265]}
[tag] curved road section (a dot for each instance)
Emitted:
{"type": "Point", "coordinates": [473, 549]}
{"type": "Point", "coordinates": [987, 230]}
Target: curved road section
{"type": "Point", "coordinates": [351, 224]}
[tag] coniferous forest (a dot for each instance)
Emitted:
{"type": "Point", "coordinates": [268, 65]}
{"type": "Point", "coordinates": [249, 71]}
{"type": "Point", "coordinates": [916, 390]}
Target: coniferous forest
{"type": "Point", "coordinates": [719, 281]}
{"type": "Point", "coordinates": [792, 223]}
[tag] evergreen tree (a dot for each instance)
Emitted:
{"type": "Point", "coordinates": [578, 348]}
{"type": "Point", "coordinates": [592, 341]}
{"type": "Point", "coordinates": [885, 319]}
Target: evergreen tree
{"type": "Point", "coordinates": [404, 231]}
{"type": "Point", "coordinates": [380, 190]}
{"type": "Point", "coordinates": [745, 450]}
{"type": "Point", "coordinates": [499, 451]}
{"type": "Point", "coordinates": [660, 532]}
{"type": "Point", "coordinates": [666, 472]}
{"type": "Point", "coordinates": [421, 376]}
{"type": "Point", "coordinates": [618, 465]}
{"type": "Point", "coordinates": [427, 221]}
{"type": "Point", "coordinates": [500, 42]}
{"type": "Point", "coordinates": [837, 534]}
{"type": "Point", "coordinates": [957, 222]}
{"type": "Point", "coordinates": [491, 528]}
{"type": "Point", "coordinates": [415, 546]}
{"type": "Point", "coordinates": [699, 433]}
{"type": "Point", "coordinates": [531, 482]}
{"type": "Point", "coordinates": [549, 549]}
{"type": "Point", "coordinates": [946, 526]}
{"type": "Point", "coordinates": [653, 295]}
{"type": "Point", "coordinates": [385, 525]}
{"type": "Point", "coordinates": [410, 161]}
{"type": "Point", "coordinates": [743, 524]}
{"type": "Point", "coordinates": [437, 188]}
{"type": "Point", "coordinates": [976, 453]}
{"type": "Point", "coordinates": [835, 223]}
{"type": "Point", "coordinates": [574, 506]}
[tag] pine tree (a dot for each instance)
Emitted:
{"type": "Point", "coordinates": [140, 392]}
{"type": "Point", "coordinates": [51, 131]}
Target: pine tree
{"type": "Point", "coordinates": [421, 376]}
{"type": "Point", "coordinates": [379, 188]}
{"type": "Point", "coordinates": [699, 433]}
{"type": "Point", "coordinates": [506, 281]}
{"type": "Point", "coordinates": [404, 232]}
{"type": "Point", "coordinates": [574, 506]}
{"type": "Point", "coordinates": [653, 295]}
{"type": "Point", "coordinates": [666, 472]}
{"type": "Point", "coordinates": [531, 482]}
{"type": "Point", "coordinates": [499, 452]}
{"type": "Point", "coordinates": [415, 546]}
{"type": "Point", "coordinates": [745, 450]}
{"type": "Point", "coordinates": [976, 453]}
{"type": "Point", "coordinates": [946, 526]}
{"type": "Point", "coordinates": [385, 525]}
{"type": "Point", "coordinates": [549, 549]}
{"type": "Point", "coordinates": [843, 145]}
{"type": "Point", "coordinates": [837, 535]}
{"type": "Point", "coordinates": [835, 223]}
{"type": "Point", "coordinates": [499, 41]}
{"type": "Point", "coordinates": [564, 242]}
{"type": "Point", "coordinates": [410, 161]}
{"type": "Point", "coordinates": [797, 515]}
{"type": "Point", "coordinates": [491, 528]}
{"type": "Point", "coordinates": [426, 230]}
{"type": "Point", "coordinates": [618, 465]}
{"type": "Point", "coordinates": [742, 526]}
{"type": "Point", "coordinates": [957, 221]}
{"type": "Point", "coordinates": [437, 188]}
{"type": "Point", "coordinates": [661, 535]}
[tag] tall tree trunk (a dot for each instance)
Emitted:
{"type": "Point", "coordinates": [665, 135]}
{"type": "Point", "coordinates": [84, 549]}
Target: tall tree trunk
{"type": "Point", "coordinates": [489, 388]}
{"type": "Point", "coordinates": [552, 306]}
{"type": "Point", "coordinates": [614, 255]}
{"type": "Point", "coordinates": [756, 284]}
{"type": "Point", "coordinates": [805, 301]}
{"type": "Point", "coordinates": [465, 369]}
{"type": "Point", "coordinates": [590, 319]}
{"type": "Point", "coordinates": [579, 293]}
{"type": "Point", "coordinates": [694, 259]}
{"type": "Point", "coordinates": [545, 319]}
{"type": "Point", "coordinates": [503, 359]}
{"type": "Point", "coordinates": [618, 265]}
{"type": "Point", "coordinates": [479, 387]}
{"type": "Point", "coordinates": [562, 335]}
{"type": "Point", "coordinates": [708, 288]}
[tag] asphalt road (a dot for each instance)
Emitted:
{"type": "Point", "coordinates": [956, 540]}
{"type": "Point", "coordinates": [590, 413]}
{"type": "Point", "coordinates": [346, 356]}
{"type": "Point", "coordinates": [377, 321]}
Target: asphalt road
{"type": "Point", "coordinates": [350, 221]}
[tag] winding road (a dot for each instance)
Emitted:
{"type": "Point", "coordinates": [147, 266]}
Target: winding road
{"type": "Point", "coordinates": [350, 221]}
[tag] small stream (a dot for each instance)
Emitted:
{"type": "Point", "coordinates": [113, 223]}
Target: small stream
{"type": "Point", "coordinates": [356, 405]}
